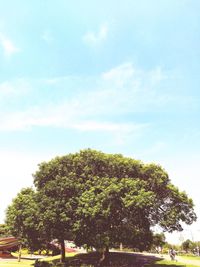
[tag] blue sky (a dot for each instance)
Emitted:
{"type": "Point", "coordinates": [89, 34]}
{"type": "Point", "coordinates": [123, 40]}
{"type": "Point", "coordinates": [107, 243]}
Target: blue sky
{"type": "Point", "coordinates": [120, 78]}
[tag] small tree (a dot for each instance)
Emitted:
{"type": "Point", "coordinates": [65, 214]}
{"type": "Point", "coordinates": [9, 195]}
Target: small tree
{"type": "Point", "coordinates": [22, 219]}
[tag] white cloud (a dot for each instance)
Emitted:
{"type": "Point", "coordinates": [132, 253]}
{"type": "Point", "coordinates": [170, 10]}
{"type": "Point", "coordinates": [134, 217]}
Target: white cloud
{"type": "Point", "coordinates": [121, 75]}
{"type": "Point", "coordinates": [47, 36]}
{"type": "Point", "coordinates": [62, 116]}
{"type": "Point", "coordinates": [8, 46]}
{"type": "Point", "coordinates": [107, 126]}
{"type": "Point", "coordinates": [136, 90]}
{"type": "Point", "coordinates": [127, 76]}
{"type": "Point", "coordinates": [14, 88]}
{"type": "Point", "coordinates": [95, 38]}
{"type": "Point", "coordinates": [157, 75]}
{"type": "Point", "coordinates": [122, 90]}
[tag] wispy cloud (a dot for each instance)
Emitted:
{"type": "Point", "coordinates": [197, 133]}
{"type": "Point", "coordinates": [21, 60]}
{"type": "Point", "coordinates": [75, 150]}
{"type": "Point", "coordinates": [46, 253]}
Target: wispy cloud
{"type": "Point", "coordinates": [121, 75]}
{"type": "Point", "coordinates": [9, 48]}
{"type": "Point", "coordinates": [95, 38]}
{"type": "Point", "coordinates": [63, 116]}
{"type": "Point", "coordinates": [120, 92]}
{"type": "Point", "coordinates": [47, 36]}
{"type": "Point", "coordinates": [107, 126]}
{"type": "Point", "coordinates": [14, 88]}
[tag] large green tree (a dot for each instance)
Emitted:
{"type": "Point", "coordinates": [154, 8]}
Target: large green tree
{"type": "Point", "coordinates": [99, 199]}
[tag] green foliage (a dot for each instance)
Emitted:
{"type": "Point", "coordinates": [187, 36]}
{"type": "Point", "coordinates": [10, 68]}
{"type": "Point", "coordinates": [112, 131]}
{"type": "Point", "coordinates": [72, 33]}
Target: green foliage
{"type": "Point", "coordinates": [113, 211]}
{"type": "Point", "coordinates": [22, 219]}
{"type": "Point", "coordinates": [103, 199]}
{"type": "Point", "coordinates": [99, 200]}
{"type": "Point", "coordinates": [4, 230]}
{"type": "Point", "coordinates": [158, 240]}
{"type": "Point", "coordinates": [188, 245]}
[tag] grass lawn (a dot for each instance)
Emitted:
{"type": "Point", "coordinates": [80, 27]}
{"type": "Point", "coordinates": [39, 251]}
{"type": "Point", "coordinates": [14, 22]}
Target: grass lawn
{"type": "Point", "coordinates": [53, 258]}
{"type": "Point", "coordinates": [28, 263]}
{"type": "Point", "coordinates": [15, 263]}
{"type": "Point", "coordinates": [122, 260]}
{"type": "Point", "coordinates": [165, 263]}
{"type": "Point", "coordinates": [191, 257]}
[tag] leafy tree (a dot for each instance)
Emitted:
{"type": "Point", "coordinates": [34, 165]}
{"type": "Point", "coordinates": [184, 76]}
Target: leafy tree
{"type": "Point", "coordinates": [99, 199]}
{"type": "Point", "coordinates": [22, 219]}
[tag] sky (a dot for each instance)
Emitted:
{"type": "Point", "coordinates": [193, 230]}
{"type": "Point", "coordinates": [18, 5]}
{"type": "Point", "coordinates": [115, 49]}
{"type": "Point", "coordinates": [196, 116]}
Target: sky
{"type": "Point", "coordinates": [119, 78]}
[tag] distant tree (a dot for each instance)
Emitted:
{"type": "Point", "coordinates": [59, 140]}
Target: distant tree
{"type": "Point", "coordinates": [99, 199]}
{"type": "Point", "coordinates": [188, 245]}
{"type": "Point", "coordinates": [4, 231]}
{"type": "Point", "coordinates": [158, 240]}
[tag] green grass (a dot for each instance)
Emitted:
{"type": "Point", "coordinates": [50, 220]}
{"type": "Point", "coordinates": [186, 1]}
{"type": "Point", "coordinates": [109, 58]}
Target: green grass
{"type": "Point", "coordinates": [15, 263]}
{"type": "Point", "coordinates": [28, 263]}
{"type": "Point", "coordinates": [53, 258]}
{"type": "Point", "coordinates": [165, 263]}
{"type": "Point", "coordinates": [90, 257]}
{"type": "Point", "coordinates": [190, 257]}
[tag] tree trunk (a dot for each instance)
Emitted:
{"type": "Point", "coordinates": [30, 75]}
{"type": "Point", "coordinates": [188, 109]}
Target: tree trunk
{"type": "Point", "coordinates": [62, 251]}
{"type": "Point", "coordinates": [104, 260]}
{"type": "Point", "coordinates": [19, 252]}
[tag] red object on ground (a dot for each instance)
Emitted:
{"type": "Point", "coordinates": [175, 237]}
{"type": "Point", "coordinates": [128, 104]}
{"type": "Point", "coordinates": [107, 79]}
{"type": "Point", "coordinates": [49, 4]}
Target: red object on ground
{"type": "Point", "coordinates": [8, 242]}
{"type": "Point", "coordinates": [5, 255]}
{"type": "Point", "coordinates": [68, 250]}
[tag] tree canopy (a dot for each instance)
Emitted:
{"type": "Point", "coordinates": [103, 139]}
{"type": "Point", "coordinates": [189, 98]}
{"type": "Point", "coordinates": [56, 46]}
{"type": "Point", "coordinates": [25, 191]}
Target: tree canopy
{"type": "Point", "coordinates": [22, 219]}
{"type": "Point", "coordinates": [102, 199]}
